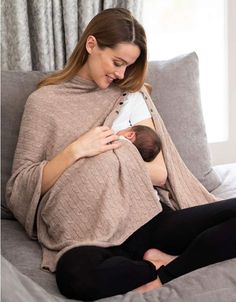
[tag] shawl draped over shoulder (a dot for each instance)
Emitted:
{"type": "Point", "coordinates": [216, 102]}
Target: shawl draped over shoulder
{"type": "Point", "coordinates": [99, 200]}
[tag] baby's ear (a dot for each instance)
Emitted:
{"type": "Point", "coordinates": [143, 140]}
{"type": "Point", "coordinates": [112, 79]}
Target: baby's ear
{"type": "Point", "coordinates": [131, 135]}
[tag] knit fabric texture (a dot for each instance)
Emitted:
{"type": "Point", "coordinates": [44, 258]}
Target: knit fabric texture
{"type": "Point", "coordinates": [100, 200]}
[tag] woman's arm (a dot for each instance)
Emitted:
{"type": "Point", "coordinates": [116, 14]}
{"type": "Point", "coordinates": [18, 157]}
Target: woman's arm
{"type": "Point", "coordinates": [93, 142]}
{"type": "Point", "coordinates": [156, 168]}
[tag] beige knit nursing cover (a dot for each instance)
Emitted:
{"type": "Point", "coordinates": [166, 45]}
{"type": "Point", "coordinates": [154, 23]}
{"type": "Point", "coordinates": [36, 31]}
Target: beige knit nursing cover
{"type": "Point", "coordinates": [99, 200]}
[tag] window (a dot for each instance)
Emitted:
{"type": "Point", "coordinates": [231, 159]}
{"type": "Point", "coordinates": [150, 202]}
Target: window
{"type": "Point", "coordinates": [175, 27]}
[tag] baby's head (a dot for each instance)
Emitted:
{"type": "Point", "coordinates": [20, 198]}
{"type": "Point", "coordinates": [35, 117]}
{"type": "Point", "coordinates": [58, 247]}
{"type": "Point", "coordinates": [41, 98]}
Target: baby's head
{"type": "Point", "coordinates": [145, 139]}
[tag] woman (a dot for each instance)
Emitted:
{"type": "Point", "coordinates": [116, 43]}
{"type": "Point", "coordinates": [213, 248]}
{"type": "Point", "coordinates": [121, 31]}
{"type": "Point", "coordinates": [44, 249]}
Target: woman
{"type": "Point", "coordinates": [87, 198]}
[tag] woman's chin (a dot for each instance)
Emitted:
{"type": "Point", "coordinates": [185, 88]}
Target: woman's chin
{"type": "Point", "coordinates": [103, 85]}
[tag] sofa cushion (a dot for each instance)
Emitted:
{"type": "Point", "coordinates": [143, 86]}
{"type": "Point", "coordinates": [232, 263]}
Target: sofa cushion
{"type": "Point", "coordinates": [16, 87]}
{"type": "Point", "coordinates": [176, 95]}
{"type": "Point", "coordinates": [227, 174]}
{"type": "Point", "coordinates": [25, 254]}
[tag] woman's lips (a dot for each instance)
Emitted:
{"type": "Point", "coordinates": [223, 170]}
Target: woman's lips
{"type": "Point", "coordinates": [110, 79]}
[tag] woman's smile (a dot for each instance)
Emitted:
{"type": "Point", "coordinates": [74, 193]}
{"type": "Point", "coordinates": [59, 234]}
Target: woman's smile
{"type": "Point", "coordinates": [109, 79]}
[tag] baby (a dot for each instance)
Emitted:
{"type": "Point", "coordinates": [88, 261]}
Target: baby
{"type": "Point", "coordinates": [144, 138]}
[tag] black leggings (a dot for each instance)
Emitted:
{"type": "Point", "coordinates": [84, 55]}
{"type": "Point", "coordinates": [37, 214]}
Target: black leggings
{"type": "Point", "coordinates": [200, 235]}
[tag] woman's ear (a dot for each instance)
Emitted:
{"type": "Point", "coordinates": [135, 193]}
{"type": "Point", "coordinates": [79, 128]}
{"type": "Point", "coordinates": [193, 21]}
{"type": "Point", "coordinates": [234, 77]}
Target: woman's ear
{"type": "Point", "coordinates": [91, 43]}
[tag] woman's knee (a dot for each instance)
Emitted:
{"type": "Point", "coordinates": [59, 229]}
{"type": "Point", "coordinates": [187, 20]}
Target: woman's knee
{"type": "Point", "coordinates": [219, 239]}
{"type": "Point", "coordinates": [75, 275]}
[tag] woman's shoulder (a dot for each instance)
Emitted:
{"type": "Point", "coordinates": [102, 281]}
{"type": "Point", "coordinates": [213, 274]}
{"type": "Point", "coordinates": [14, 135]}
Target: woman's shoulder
{"type": "Point", "coordinates": [43, 91]}
{"type": "Point", "coordinates": [43, 95]}
{"type": "Point", "coordinates": [134, 95]}
{"type": "Point", "coordinates": [135, 98]}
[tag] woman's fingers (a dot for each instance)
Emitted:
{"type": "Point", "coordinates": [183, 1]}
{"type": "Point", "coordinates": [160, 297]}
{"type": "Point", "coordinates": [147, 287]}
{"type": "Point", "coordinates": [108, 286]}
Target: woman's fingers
{"type": "Point", "coordinates": [104, 128]}
{"type": "Point", "coordinates": [97, 140]}
{"type": "Point", "coordinates": [110, 139]}
{"type": "Point", "coordinates": [111, 146]}
{"type": "Point", "coordinates": [105, 133]}
{"type": "Point", "coordinates": [108, 135]}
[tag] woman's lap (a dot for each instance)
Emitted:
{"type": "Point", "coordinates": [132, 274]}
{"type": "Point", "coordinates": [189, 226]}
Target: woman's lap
{"type": "Point", "coordinates": [90, 273]}
{"type": "Point", "coordinates": [95, 272]}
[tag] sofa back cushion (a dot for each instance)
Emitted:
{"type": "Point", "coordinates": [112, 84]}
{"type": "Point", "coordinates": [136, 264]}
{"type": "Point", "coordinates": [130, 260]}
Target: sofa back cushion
{"type": "Point", "coordinates": [175, 93]}
{"type": "Point", "coordinates": [16, 87]}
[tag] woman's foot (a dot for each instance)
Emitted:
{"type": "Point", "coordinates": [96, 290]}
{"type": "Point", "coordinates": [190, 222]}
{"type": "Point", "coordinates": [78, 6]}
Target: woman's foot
{"type": "Point", "coordinates": [149, 286]}
{"type": "Point", "coordinates": [158, 258]}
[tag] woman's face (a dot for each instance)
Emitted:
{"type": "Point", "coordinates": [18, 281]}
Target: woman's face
{"type": "Point", "coordinates": [103, 66]}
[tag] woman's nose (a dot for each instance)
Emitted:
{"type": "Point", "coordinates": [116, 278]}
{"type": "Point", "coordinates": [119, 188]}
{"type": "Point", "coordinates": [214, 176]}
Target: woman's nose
{"type": "Point", "coordinates": [120, 73]}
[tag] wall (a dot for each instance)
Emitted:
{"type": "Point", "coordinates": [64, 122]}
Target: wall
{"type": "Point", "coordinates": [225, 152]}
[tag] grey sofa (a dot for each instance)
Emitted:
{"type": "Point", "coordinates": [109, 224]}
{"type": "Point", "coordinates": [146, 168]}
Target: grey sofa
{"type": "Point", "coordinates": [176, 95]}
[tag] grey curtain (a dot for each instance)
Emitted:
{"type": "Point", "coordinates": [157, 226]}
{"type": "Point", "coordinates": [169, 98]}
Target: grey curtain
{"type": "Point", "coordinates": [40, 35]}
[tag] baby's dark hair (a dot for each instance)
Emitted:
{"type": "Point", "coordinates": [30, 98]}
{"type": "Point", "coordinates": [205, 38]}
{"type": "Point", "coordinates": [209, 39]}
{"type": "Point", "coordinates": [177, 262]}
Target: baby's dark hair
{"type": "Point", "coordinates": [147, 142]}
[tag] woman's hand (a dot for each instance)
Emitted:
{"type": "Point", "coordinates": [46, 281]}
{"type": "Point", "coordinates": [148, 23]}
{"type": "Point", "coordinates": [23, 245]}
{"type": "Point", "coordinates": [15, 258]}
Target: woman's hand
{"type": "Point", "coordinates": [94, 142]}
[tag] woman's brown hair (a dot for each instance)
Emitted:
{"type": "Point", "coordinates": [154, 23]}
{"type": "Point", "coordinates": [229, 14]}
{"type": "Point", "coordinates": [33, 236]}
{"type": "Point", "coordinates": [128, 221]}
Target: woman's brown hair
{"type": "Point", "coordinates": [110, 27]}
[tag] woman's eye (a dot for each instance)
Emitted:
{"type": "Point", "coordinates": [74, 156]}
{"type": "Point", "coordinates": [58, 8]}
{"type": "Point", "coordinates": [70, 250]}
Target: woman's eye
{"type": "Point", "coordinates": [117, 64]}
